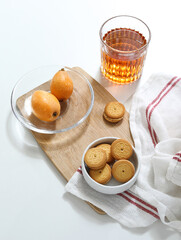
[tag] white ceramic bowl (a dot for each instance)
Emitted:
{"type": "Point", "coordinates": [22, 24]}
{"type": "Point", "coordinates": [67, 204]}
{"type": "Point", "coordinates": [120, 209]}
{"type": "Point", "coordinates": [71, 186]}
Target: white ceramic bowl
{"type": "Point", "coordinates": [113, 186]}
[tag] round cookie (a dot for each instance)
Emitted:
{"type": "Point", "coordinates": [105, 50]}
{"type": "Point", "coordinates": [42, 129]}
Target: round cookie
{"type": "Point", "coordinates": [121, 149]}
{"type": "Point", "coordinates": [114, 111]}
{"type": "Point", "coordinates": [102, 175]}
{"type": "Point", "coordinates": [112, 120]}
{"type": "Point", "coordinates": [95, 158]}
{"type": "Point", "coordinates": [123, 170]}
{"type": "Point", "coordinates": [107, 148]}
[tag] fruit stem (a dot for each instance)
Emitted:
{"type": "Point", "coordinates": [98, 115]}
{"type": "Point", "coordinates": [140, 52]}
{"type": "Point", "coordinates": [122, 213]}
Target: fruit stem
{"type": "Point", "coordinates": [62, 69]}
{"type": "Point", "coordinates": [55, 114]}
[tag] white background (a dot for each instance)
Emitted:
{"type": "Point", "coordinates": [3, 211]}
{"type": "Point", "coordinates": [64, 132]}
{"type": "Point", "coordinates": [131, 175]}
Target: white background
{"type": "Point", "coordinates": [33, 202]}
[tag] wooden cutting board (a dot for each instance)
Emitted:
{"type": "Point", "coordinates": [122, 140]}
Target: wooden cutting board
{"type": "Point", "coordinates": [65, 149]}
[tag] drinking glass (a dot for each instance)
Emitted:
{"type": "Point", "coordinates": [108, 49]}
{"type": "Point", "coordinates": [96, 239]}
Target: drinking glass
{"type": "Point", "coordinates": [124, 44]}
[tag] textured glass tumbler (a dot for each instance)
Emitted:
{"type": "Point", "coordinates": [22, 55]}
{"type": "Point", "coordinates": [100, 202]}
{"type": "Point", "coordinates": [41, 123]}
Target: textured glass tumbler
{"type": "Point", "coordinates": [124, 43]}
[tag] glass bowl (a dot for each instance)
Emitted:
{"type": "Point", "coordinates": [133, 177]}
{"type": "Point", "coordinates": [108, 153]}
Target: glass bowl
{"type": "Point", "coordinates": [73, 111]}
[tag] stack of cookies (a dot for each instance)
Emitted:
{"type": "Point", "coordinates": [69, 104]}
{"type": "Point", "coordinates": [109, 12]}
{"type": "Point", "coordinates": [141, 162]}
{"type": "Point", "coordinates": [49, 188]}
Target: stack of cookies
{"type": "Point", "coordinates": [114, 112]}
{"type": "Point", "coordinates": [107, 160]}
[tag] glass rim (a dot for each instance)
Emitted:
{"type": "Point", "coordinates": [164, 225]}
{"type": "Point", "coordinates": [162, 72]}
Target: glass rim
{"type": "Point", "coordinates": [125, 52]}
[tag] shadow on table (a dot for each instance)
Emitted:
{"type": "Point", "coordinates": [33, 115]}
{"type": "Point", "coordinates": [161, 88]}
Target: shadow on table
{"type": "Point", "coordinates": [23, 140]}
{"type": "Point", "coordinates": [121, 92]}
{"type": "Point", "coordinates": [156, 231]}
{"type": "Point", "coordinates": [20, 137]}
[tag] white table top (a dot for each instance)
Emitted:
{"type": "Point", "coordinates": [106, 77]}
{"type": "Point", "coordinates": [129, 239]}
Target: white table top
{"type": "Point", "coordinates": [33, 201]}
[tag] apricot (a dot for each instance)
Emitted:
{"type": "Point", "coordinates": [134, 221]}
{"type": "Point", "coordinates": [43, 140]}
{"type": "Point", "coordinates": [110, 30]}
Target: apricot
{"type": "Point", "coordinates": [61, 85]}
{"type": "Point", "coordinates": [45, 106]}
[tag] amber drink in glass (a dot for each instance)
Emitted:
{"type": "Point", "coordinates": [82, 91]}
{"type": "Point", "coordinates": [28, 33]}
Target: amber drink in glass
{"type": "Point", "coordinates": [124, 43]}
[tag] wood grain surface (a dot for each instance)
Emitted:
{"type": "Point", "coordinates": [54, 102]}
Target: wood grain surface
{"type": "Point", "coordinates": [65, 149]}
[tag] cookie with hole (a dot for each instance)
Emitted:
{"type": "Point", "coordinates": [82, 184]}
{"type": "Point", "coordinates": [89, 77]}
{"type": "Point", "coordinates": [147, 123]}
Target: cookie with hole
{"type": "Point", "coordinates": [121, 149]}
{"type": "Point", "coordinates": [123, 170]}
{"type": "Point", "coordinates": [95, 158]}
{"type": "Point", "coordinates": [102, 175]}
{"type": "Point", "coordinates": [114, 112]}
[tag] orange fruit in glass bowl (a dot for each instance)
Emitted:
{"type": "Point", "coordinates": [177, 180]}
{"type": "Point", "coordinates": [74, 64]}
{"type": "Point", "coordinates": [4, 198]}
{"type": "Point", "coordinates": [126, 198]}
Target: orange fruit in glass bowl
{"type": "Point", "coordinates": [61, 85]}
{"type": "Point", "coordinates": [45, 106]}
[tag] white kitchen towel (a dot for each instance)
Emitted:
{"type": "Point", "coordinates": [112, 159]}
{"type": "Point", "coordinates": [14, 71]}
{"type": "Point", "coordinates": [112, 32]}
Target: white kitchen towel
{"type": "Point", "coordinates": [155, 122]}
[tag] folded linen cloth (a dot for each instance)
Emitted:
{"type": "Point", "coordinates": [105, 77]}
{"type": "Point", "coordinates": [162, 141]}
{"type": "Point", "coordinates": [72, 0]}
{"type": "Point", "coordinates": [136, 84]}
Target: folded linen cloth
{"type": "Point", "coordinates": [155, 123]}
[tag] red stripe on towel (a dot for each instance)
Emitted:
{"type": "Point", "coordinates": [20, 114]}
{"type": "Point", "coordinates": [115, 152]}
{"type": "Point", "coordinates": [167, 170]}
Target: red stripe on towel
{"type": "Point", "coordinates": [159, 97]}
{"type": "Point", "coordinates": [150, 105]}
{"type": "Point", "coordinates": [177, 158]}
{"type": "Point", "coordinates": [139, 206]}
{"type": "Point", "coordinates": [79, 170]}
{"type": "Point", "coordinates": [141, 201]}
{"type": "Point", "coordinates": [178, 154]}
{"type": "Point", "coordinates": [134, 203]}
